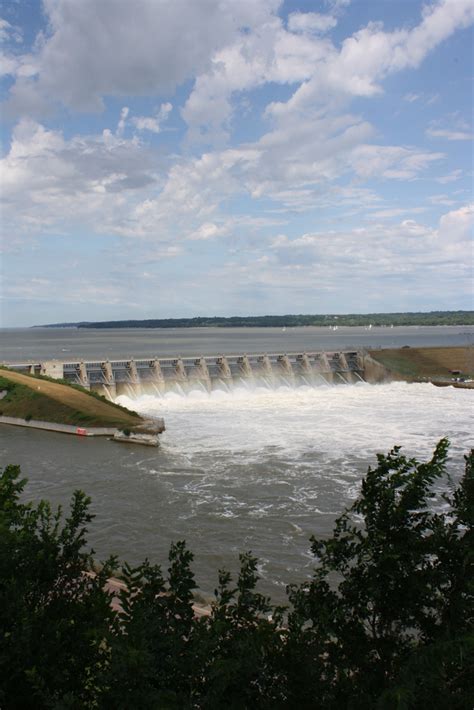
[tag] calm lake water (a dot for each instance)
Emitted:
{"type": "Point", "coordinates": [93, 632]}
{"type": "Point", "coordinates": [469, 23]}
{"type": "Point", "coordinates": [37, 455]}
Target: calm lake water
{"type": "Point", "coordinates": [259, 469]}
{"type": "Point", "coordinates": [35, 344]}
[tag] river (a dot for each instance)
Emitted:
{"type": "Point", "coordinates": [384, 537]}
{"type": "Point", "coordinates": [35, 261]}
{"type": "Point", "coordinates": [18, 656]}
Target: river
{"type": "Point", "coordinates": [247, 469]}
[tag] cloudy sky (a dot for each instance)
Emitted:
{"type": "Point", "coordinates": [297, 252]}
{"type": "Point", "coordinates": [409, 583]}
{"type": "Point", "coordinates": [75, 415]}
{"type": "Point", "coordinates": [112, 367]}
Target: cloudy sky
{"type": "Point", "coordinates": [166, 158]}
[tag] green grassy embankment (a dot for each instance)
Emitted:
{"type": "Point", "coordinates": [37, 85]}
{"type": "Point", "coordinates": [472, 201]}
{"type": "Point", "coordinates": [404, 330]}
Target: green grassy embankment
{"type": "Point", "coordinates": [28, 397]}
{"type": "Point", "coordinates": [434, 364]}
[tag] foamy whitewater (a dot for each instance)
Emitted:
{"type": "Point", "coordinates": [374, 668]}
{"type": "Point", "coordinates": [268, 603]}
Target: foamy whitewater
{"type": "Point", "coordinates": [334, 421]}
{"type": "Point", "coordinates": [263, 469]}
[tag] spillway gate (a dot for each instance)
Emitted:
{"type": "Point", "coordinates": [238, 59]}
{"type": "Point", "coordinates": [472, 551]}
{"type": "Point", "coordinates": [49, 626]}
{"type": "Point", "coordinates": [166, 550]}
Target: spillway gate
{"type": "Point", "coordinates": [158, 375]}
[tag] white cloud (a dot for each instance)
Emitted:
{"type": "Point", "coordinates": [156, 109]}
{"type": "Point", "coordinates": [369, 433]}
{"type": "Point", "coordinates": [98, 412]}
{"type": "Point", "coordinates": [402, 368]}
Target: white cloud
{"type": "Point", "coordinates": [304, 165]}
{"type": "Point", "coordinates": [310, 22]}
{"type": "Point", "coordinates": [376, 267]}
{"type": "Point", "coordinates": [395, 162]}
{"type": "Point", "coordinates": [73, 290]}
{"type": "Point", "coordinates": [456, 227]}
{"type": "Point", "coordinates": [450, 177]}
{"type": "Point", "coordinates": [267, 54]}
{"type": "Point", "coordinates": [411, 97]}
{"type": "Point", "coordinates": [408, 250]}
{"type": "Point", "coordinates": [445, 200]}
{"type": "Point", "coordinates": [427, 99]}
{"type": "Point", "coordinates": [207, 230]}
{"type": "Point", "coordinates": [153, 123]}
{"type": "Point", "coordinates": [113, 183]}
{"type": "Point", "coordinates": [450, 135]}
{"type": "Point", "coordinates": [338, 4]}
{"type": "Point", "coordinates": [86, 177]}
{"type": "Point", "coordinates": [9, 32]}
{"type": "Point", "coordinates": [10, 62]}
{"type": "Point", "coordinates": [4, 30]}
{"type": "Point", "coordinates": [8, 65]}
{"type": "Point", "coordinates": [389, 213]}
{"type": "Point", "coordinates": [371, 54]}
{"type": "Point", "coordinates": [123, 119]}
{"type": "Point", "coordinates": [115, 47]}
{"type": "Point", "coordinates": [400, 264]}
{"type": "Point", "coordinates": [297, 168]}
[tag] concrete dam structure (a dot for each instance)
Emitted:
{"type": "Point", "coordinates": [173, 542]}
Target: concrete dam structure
{"type": "Point", "coordinates": [157, 375]}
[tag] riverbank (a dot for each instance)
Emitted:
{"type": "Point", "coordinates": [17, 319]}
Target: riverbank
{"type": "Point", "coordinates": [442, 366]}
{"type": "Point", "coordinates": [29, 397]}
{"type": "Point", "coordinates": [60, 428]}
{"type": "Point", "coordinates": [39, 403]}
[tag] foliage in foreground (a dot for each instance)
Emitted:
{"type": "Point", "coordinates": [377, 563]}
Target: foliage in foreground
{"type": "Point", "coordinates": [385, 622]}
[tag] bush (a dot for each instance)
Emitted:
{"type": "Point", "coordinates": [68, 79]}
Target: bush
{"type": "Point", "coordinates": [54, 617]}
{"type": "Point", "coordinates": [396, 628]}
{"type": "Point", "coordinates": [386, 621]}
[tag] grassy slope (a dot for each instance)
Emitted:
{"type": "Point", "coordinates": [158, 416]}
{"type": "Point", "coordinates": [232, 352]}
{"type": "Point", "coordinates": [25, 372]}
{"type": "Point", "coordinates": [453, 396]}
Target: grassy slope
{"type": "Point", "coordinates": [429, 363]}
{"type": "Point", "coordinates": [36, 398]}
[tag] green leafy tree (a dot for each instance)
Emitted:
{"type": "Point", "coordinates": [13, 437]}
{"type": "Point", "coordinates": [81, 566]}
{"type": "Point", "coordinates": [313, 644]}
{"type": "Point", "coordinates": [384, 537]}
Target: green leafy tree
{"type": "Point", "coordinates": [162, 656]}
{"type": "Point", "coordinates": [54, 612]}
{"type": "Point", "coordinates": [152, 662]}
{"type": "Point", "coordinates": [387, 620]}
{"type": "Point", "coordinates": [239, 645]}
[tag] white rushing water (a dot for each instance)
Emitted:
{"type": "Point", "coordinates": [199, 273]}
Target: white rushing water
{"type": "Point", "coordinates": [265, 469]}
{"type": "Point", "coordinates": [354, 420]}
{"type": "Point", "coordinates": [243, 469]}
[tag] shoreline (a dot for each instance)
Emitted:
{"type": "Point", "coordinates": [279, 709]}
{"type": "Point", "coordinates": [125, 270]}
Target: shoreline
{"type": "Point", "coordinates": [119, 435]}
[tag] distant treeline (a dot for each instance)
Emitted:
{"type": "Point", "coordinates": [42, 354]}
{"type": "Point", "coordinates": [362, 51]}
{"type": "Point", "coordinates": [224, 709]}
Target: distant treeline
{"type": "Point", "coordinates": [287, 321]}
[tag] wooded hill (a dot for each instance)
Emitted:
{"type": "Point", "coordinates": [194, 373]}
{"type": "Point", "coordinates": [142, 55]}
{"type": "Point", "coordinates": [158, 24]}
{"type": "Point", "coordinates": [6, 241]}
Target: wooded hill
{"type": "Point", "coordinates": [286, 321]}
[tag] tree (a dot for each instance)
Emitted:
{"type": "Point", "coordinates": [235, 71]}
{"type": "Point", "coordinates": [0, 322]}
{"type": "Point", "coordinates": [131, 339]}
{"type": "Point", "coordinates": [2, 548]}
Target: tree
{"type": "Point", "coordinates": [387, 619]}
{"type": "Point", "coordinates": [240, 645]}
{"type": "Point", "coordinates": [152, 661]}
{"type": "Point", "coordinates": [53, 614]}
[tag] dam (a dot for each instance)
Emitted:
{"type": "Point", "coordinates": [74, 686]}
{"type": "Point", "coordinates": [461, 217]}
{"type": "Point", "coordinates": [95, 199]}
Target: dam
{"type": "Point", "coordinates": [131, 377]}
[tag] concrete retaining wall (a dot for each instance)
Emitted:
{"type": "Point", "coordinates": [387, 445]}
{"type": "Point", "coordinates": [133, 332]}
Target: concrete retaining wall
{"type": "Point", "coordinates": [135, 438]}
{"type": "Point", "coordinates": [375, 372]}
{"type": "Point", "coordinates": [62, 428]}
{"type": "Point", "coordinates": [149, 438]}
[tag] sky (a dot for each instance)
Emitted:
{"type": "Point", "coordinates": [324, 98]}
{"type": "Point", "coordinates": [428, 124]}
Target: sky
{"type": "Point", "coordinates": [175, 158]}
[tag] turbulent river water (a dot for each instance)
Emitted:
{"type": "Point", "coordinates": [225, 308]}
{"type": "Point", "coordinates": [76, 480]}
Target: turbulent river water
{"type": "Point", "coordinates": [245, 469]}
